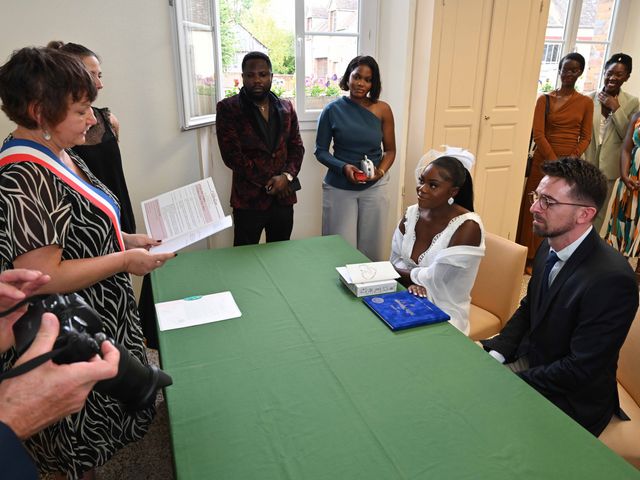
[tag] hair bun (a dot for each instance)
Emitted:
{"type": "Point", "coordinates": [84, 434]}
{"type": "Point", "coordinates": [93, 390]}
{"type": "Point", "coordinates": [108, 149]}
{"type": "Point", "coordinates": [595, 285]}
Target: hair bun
{"type": "Point", "coordinates": [55, 44]}
{"type": "Point", "coordinates": [621, 58]}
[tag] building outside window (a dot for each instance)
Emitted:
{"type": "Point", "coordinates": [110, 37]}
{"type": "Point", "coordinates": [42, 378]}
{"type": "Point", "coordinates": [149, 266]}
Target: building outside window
{"type": "Point", "coordinates": [583, 26]}
{"type": "Point", "coordinates": [309, 42]}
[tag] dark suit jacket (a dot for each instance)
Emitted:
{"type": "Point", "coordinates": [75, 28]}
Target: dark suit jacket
{"type": "Point", "coordinates": [573, 338]}
{"type": "Point", "coordinates": [15, 462]}
{"type": "Point", "coordinates": [245, 152]}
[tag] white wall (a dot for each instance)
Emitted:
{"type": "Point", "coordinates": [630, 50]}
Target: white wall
{"type": "Point", "coordinates": [395, 49]}
{"type": "Point", "coordinates": [419, 109]}
{"type": "Point", "coordinates": [133, 39]}
{"type": "Point", "coordinates": [631, 46]}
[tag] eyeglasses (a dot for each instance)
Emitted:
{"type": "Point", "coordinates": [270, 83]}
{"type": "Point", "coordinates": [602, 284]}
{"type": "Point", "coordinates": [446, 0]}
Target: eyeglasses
{"type": "Point", "coordinates": [546, 202]}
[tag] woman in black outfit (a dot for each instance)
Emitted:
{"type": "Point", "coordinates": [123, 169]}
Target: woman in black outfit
{"type": "Point", "coordinates": [102, 155]}
{"type": "Point", "coordinates": [101, 152]}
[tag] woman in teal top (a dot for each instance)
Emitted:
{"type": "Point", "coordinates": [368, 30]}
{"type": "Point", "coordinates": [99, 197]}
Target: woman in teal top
{"type": "Point", "coordinates": [360, 125]}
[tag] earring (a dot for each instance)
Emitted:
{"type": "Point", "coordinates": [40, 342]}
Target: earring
{"type": "Point", "coordinates": [46, 135]}
{"type": "Point", "coordinates": [450, 201]}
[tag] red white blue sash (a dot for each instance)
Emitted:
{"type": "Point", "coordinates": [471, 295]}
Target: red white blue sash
{"type": "Point", "coordinates": [19, 150]}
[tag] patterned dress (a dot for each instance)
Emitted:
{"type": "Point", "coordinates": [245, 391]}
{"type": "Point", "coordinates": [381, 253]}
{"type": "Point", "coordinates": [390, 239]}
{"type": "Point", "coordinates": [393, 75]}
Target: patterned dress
{"type": "Point", "coordinates": [622, 232]}
{"type": "Point", "coordinates": [38, 209]}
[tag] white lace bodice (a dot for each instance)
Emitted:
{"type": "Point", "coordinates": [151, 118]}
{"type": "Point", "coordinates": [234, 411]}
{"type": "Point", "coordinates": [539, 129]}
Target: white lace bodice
{"type": "Point", "coordinates": [448, 273]}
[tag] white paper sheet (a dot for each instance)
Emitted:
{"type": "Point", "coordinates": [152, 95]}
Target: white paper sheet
{"type": "Point", "coordinates": [371, 272]}
{"type": "Point", "coordinates": [184, 215]}
{"type": "Point", "coordinates": [196, 310]}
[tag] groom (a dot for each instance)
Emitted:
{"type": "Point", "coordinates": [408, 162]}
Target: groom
{"type": "Point", "coordinates": [565, 337]}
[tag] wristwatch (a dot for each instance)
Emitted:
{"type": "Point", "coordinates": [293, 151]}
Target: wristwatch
{"type": "Point", "coordinates": [289, 176]}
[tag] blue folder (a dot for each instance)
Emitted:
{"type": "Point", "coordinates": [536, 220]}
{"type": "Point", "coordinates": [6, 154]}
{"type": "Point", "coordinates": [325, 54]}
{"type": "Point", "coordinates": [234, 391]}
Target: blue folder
{"type": "Point", "coordinates": [401, 310]}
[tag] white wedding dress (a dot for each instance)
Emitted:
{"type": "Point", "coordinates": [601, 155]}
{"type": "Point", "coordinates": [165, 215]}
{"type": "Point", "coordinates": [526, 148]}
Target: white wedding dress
{"type": "Point", "coordinates": [448, 273]}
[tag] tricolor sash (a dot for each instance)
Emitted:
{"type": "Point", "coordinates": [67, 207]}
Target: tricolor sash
{"type": "Point", "coordinates": [19, 150]}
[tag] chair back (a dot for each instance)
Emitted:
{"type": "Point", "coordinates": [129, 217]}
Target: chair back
{"type": "Point", "coordinates": [628, 371]}
{"type": "Point", "coordinates": [499, 280]}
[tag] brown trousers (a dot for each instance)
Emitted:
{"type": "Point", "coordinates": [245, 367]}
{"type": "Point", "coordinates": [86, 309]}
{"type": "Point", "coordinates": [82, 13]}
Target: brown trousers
{"type": "Point", "coordinates": [525, 235]}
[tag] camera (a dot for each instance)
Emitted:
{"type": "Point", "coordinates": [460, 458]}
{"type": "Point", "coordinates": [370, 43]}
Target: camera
{"type": "Point", "coordinates": [135, 385]}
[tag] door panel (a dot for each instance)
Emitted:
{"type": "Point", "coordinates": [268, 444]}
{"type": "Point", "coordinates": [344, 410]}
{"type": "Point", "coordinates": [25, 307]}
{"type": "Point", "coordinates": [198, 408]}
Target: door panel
{"type": "Point", "coordinates": [455, 136]}
{"type": "Point", "coordinates": [509, 96]}
{"type": "Point", "coordinates": [464, 37]}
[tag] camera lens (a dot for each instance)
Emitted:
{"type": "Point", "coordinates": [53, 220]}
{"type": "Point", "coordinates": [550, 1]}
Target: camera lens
{"type": "Point", "coordinates": [135, 385]}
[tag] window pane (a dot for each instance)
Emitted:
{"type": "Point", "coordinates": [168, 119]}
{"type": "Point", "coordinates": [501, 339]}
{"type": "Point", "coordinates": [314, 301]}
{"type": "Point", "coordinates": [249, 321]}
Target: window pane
{"type": "Point", "coordinates": [201, 66]}
{"type": "Point", "coordinates": [549, 67]}
{"type": "Point", "coordinates": [325, 16]}
{"type": "Point", "coordinates": [266, 26]}
{"type": "Point", "coordinates": [556, 25]}
{"type": "Point", "coordinates": [594, 54]}
{"type": "Point", "coordinates": [198, 11]}
{"type": "Point", "coordinates": [595, 20]}
{"type": "Point", "coordinates": [557, 20]}
{"type": "Point", "coordinates": [326, 59]}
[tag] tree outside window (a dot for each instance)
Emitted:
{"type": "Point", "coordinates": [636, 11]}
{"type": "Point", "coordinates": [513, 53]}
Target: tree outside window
{"type": "Point", "coordinates": [309, 43]}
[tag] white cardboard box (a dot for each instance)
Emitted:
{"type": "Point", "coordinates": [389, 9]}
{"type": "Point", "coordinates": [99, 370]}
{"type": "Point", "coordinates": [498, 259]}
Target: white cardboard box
{"type": "Point", "coordinates": [365, 289]}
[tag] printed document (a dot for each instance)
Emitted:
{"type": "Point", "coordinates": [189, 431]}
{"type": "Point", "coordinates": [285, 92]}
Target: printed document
{"type": "Point", "coordinates": [184, 216]}
{"type": "Point", "coordinates": [196, 310]}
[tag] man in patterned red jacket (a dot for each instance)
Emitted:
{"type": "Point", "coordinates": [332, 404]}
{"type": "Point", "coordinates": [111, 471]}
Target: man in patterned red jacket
{"type": "Point", "coordinates": [260, 141]}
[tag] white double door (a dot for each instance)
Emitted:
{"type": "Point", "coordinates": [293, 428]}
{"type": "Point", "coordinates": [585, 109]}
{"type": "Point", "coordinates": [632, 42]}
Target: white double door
{"type": "Point", "coordinates": [487, 55]}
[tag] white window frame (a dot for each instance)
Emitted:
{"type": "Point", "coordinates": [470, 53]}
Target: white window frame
{"type": "Point", "coordinates": [569, 40]}
{"type": "Point", "coordinates": [185, 82]}
{"type": "Point", "coordinates": [367, 37]}
{"type": "Point", "coordinates": [555, 56]}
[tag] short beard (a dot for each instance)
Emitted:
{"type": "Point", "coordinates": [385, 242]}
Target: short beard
{"type": "Point", "coordinates": [258, 98]}
{"type": "Point", "coordinates": [550, 234]}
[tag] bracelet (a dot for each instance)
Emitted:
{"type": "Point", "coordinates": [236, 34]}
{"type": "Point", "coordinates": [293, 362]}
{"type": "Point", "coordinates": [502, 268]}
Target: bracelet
{"type": "Point", "coordinates": [382, 170]}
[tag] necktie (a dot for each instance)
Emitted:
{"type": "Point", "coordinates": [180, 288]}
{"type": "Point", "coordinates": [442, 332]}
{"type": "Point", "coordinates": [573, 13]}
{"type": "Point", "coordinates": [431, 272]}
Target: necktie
{"type": "Point", "coordinates": [552, 258]}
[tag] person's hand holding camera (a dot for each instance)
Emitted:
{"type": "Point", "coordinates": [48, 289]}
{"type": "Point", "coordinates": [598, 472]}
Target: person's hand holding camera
{"type": "Point", "coordinates": [40, 397]}
{"type": "Point", "coordinates": [18, 284]}
{"type": "Point", "coordinates": [351, 171]}
{"type": "Point", "coordinates": [15, 286]}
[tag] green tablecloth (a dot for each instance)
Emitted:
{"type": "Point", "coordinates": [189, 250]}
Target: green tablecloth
{"type": "Point", "coordinates": [309, 384]}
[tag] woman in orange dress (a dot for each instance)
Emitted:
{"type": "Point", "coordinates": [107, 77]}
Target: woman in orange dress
{"type": "Point", "coordinates": [562, 130]}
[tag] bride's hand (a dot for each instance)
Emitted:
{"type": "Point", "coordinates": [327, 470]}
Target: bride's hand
{"type": "Point", "coordinates": [417, 290]}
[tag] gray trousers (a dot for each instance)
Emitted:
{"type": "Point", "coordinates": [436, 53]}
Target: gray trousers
{"type": "Point", "coordinates": [359, 216]}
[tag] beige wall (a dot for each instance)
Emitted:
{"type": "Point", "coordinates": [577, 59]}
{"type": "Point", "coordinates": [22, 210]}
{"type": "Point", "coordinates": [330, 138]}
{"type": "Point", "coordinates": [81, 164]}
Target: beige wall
{"type": "Point", "coordinates": [631, 45]}
{"type": "Point", "coordinates": [395, 47]}
{"type": "Point", "coordinates": [134, 41]}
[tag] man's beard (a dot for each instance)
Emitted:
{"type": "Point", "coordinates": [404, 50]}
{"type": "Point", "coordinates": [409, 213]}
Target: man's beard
{"type": "Point", "coordinates": [543, 232]}
{"type": "Point", "coordinates": [258, 98]}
